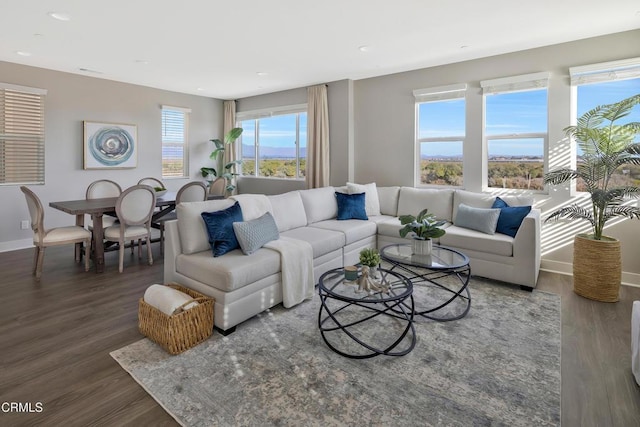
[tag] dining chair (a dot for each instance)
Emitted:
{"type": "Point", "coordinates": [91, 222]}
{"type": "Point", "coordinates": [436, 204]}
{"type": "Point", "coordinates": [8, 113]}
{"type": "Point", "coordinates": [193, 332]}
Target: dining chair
{"type": "Point", "coordinates": [152, 182]}
{"type": "Point", "coordinates": [134, 209]}
{"type": "Point", "coordinates": [218, 187]}
{"type": "Point", "coordinates": [194, 191]}
{"type": "Point", "coordinates": [100, 189]}
{"type": "Point", "coordinates": [43, 238]}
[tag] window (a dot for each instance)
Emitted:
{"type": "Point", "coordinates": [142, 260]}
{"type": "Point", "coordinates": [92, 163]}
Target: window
{"type": "Point", "coordinates": [21, 135]}
{"type": "Point", "coordinates": [175, 121]}
{"type": "Point", "coordinates": [607, 83]}
{"type": "Point", "coordinates": [274, 143]}
{"type": "Point", "coordinates": [440, 132]}
{"type": "Point", "coordinates": [516, 131]}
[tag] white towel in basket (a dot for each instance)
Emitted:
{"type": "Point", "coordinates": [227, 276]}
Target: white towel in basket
{"type": "Point", "coordinates": [167, 299]}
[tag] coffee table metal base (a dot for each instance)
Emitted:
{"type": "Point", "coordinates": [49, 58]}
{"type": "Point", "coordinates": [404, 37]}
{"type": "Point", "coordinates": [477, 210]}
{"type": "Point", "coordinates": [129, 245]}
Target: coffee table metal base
{"type": "Point", "coordinates": [353, 319]}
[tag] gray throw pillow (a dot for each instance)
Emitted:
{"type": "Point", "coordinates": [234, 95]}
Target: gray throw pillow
{"type": "Point", "coordinates": [254, 234]}
{"type": "Point", "coordinates": [480, 219]}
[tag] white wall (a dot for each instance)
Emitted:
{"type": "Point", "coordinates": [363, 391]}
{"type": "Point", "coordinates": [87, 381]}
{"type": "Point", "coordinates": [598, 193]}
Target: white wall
{"type": "Point", "coordinates": [70, 100]}
{"type": "Point", "coordinates": [385, 128]}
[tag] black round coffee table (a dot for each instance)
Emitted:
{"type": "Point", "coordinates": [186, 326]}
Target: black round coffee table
{"type": "Point", "coordinates": [445, 272]}
{"type": "Point", "coordinates": [360, 325]}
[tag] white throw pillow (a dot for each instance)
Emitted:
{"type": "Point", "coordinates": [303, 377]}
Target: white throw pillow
{"type": "Point", "coordinates": [371, 201]}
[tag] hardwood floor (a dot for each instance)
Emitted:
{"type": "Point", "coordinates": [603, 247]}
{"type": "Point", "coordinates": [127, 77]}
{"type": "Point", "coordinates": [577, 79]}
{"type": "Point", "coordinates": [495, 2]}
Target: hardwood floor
{"type": "Point", "coordinates": [56, 337]}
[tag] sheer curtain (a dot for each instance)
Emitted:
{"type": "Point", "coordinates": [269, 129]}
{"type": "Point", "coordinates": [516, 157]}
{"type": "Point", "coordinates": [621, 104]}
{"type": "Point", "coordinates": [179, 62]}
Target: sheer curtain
{"type": "Point", "coordinates": [317, 172]}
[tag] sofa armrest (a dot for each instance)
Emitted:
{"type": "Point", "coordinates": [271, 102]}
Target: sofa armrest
{"type": "Point", "coordinates": [172, 249]}
{"type": "Point", "coordinates": [526, 244]}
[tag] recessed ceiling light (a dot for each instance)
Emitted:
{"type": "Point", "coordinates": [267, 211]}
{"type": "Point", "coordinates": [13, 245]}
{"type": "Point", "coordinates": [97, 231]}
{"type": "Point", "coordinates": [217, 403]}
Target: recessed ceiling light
{"type": "Point", "coordinates": [60, 16]}
{"type": "Point", "coordinates": [364, 48]}
{"type": "Point", "coordinates": [200, 89]}
{"type": "Point", "coordinates": [23, 53]}
{"type": "Point", "coordinates": [142, 61]}
{"type": "Point", "coordinates": [464, 46]}
{"type": "Point", "coordinates": [261, 73]}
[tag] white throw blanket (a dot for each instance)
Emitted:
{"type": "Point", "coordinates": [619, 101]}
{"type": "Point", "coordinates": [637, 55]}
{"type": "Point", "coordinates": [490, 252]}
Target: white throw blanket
{"type": "Point", "coordinates": [167, 299]}
{"type": "Point", "coordinates": [253, 205]}
{"type": "Point", "coordinates": [296, 267]}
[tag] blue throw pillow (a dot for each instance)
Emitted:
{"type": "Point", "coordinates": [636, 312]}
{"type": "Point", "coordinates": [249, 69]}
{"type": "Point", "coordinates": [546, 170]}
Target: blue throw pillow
{"type": "Point", "coordinates": [511, 217]}
{"type": "Point", "coordinates": [220, 228]}
{"type": "Point", "coordinates": [351, 206]}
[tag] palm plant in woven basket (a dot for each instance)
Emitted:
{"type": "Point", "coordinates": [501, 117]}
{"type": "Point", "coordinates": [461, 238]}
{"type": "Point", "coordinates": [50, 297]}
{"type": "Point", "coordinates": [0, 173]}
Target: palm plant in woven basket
{"type": "Point", "coordinates": [606, 146]}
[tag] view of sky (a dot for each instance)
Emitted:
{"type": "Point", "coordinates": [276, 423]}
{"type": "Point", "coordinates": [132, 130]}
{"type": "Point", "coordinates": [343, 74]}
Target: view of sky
{"type": "Point", "coordinates": [516, 112]}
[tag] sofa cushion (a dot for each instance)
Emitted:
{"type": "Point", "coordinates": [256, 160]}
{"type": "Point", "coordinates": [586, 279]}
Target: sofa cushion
{"type": "Point", "coordinates": [288, 210]}
{"type": "Point", "coordinates": [481, 219]}
{"type": "Point", "coordinates": [517, 200]}
{"type": "Point", "coordinates": [254, 234]}
{"type": "Point", "coordinates": [193, 232]}
{"type": "Point", "coordinates": [219, 224]}
{"type": "Point", "coordinates": [319, 204]}
{"type": "Point", "coordinates": [413, 200]}
{"type": "Point", "coordinates": [351, 206]}
{"type": "Point", "coordinates": [464, 238]}
{"type": "Point", "coordinates": [371, 202]}
{"type": "Point", "coordinates": [322, 241]}
{"type": "Point", "coordinates": [231, 271]}
{"type": "Point", "coordinates": [388, 198]}
{"type": "Point", "coordinates": [469, 198]}
{"type": "Point", "coordinates": [510, 217]}
{"type": "Point", "coordinates": [353, 230]}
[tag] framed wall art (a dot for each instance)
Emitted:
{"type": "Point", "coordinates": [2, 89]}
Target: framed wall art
{"type": "Point", "coordinates": [110, 145]}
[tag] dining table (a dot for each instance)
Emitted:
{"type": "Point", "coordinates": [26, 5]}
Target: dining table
{"type": "Point", "coordinates": [97, 208]}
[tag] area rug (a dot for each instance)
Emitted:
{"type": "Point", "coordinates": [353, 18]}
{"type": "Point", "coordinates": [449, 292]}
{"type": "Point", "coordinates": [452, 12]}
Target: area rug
{"type": "Point", "coordinates": [499, 365]}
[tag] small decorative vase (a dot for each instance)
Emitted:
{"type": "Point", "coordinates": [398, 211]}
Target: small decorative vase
{"type": "Point", "coordinates": [422, 247]}
{"type": "Point", "coordinates": [373, 271]}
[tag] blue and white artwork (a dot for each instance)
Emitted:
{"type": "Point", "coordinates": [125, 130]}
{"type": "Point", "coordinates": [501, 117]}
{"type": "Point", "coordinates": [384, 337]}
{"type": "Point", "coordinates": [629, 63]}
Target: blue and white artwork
{"type": "Point", "coordinates": [110, 146]}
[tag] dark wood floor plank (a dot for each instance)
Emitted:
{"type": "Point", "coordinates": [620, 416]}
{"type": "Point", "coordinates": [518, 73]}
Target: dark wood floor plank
{"type": "Point", "coordinates": [56, 337]}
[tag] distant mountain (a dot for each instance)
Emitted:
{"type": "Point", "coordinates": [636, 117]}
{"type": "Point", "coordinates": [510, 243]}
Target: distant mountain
{"type": "Point", "coordinates": [274, 152]}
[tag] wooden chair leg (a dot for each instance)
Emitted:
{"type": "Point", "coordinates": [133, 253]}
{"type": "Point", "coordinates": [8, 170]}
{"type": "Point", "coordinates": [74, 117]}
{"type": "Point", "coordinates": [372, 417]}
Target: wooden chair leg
{"type": "Point", "coordinates": [36, 254]}
{"type": "Point", "coordinates": [132, 247]}
{"type": "Point", "coordinates": [121, 256]}
{"type": "Point", "coordinates": [162, 238]}
{"type": "Point", "coordinates": [39, 263]}
{"type": "Point", "coordinates": [139, 249]}
{"type": "Point", "coordinates": [149, 254]}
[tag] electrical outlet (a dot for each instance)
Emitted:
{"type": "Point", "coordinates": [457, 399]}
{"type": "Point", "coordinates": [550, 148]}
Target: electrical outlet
{"type": "Point", "coordinates": [24, 225]}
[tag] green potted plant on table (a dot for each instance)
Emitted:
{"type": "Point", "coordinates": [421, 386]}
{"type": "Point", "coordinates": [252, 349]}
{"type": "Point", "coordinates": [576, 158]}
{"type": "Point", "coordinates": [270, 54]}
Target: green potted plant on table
{"type": "Point", "coordinates": [424, 227]}
{"type": "Point", "coordinates": [371, 258]}
{"type": "Point", "coordinates": [218, 156]}
{"type": "Point", "coordinates": [606, 147]}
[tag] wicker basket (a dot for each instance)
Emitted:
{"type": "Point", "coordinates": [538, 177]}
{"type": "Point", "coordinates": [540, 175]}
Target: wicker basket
{"type": "Point", "coordinates": [597, 268]}
{"type": "Point", "coordinates": [178, 332]}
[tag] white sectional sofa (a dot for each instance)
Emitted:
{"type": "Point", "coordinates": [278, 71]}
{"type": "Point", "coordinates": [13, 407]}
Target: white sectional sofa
{"type": "Point", "coordinates": [245, 285]}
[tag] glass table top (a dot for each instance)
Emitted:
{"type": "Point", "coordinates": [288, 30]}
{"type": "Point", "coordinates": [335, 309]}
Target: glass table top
{"type": "Point", "coordinates": [441, 258]}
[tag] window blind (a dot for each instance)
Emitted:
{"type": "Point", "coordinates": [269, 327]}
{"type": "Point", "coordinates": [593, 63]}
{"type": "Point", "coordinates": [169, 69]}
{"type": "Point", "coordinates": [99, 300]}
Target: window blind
{"type": "Point", "coordinates": [440, 93]}
{"type": "Point", "coordinates": [605, 72]}
{"type": "Point", "coordinates": [269, 112]}
{"type": "Point", "coordinates": [21, 135]}
{"type": "Point", "coordinates": [174, 138]}
{"type": "Point", "coordinates": [520, 83]}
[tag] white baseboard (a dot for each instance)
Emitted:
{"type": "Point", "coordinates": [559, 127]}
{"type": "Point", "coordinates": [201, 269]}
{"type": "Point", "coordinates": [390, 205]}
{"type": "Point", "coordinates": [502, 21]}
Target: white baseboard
{"type": "Point", "coordinates": [629, 279]}
{"type": "Point", "coordinates": [14, 245]}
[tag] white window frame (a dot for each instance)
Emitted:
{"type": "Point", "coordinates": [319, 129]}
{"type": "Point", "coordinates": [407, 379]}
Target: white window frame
{"type": "Point", "coordinates": [22, 126]}
{"type": "Point", "coordinates": [185, 140]}
{"type": "Point", "coordinates": [603, 72]}
{"type": "Point", "coordinates": [256, 115]}
{"type": "Point", "coordinates": [503, 85]}
{"type": "Point", "coordinates": [435, 94]}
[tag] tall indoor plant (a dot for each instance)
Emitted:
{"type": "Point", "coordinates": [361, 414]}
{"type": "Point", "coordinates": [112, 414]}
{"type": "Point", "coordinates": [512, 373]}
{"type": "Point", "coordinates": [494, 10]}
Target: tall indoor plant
{"type": "Point", "coordinates": [218, 156]}
{"type": "Point", "coordinates": [606, 147]}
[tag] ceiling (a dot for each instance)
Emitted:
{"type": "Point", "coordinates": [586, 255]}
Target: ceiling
{"type": "Point", "coordinates": [239, 48]}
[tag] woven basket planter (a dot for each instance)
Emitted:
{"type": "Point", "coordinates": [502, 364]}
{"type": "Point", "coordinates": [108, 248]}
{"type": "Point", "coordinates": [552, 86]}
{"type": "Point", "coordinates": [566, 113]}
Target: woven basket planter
{"type": "Point", "coordinates": [178, 332]}
{"type": "Point", "coordinates": [597, 268]}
